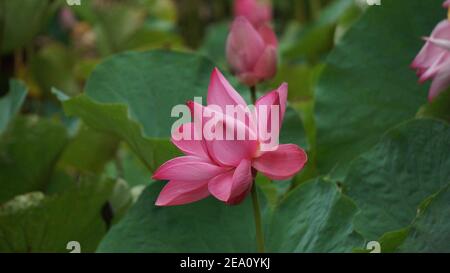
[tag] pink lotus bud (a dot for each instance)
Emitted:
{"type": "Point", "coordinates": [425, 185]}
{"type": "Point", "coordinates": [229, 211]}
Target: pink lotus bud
{"type": "Point", "coordinates": [251, 53]}
{"type": "Point", "coordinates": [433, 61]}
{"type": "Point", "coordinates": [258, 12]}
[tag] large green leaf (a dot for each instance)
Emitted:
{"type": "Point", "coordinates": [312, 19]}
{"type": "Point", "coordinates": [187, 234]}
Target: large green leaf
{"type": "Point", "coordinates": [28, 152]}
{"type": "Point", "coordinates": [11, 103]}
{"type": "Point", "coordinates": [367, 86]}
{"type": "Point", "coordinates": [21, 20]}
{"type": "Point", "coordinates": [150, 84]}
{"type": "Point", "coordinates": [315, 217]}
{"type": "Point", "coordinates": [438, 108]}
{"type": "Point", "coordinates": [131, 95]}
{"type": "Point", "coordinates": [35, 223]}
{"type": "Point", "coordinates": [114, 119]}
{"type": "Point", "coordinates": [205, 226]}
{"type": "Point", "coordinates": [389, 182]}
{"type": "Point", "coordinates": [430, 231]}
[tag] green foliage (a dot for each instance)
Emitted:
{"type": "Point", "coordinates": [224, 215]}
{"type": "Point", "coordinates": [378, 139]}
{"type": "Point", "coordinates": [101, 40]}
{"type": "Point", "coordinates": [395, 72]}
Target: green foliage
{"type": "Point", "coordinates": [429, 232]}
{"type": "Point", "coordinates": [293, 131]}
{"type": "Point", "coordinates": [120, 97]}
{"type": "Point", "coordinates": [35, 223]}
{"type": "Point", "coordinates": [388, 183]}
{"type": "Point", "coordinates": [311, 41]}
{"type": "Point", "coordinates": [316, 217]}
{"type": "Point", "coordinates": [215, 42]}
{"type": "Point", "coordinates": [205, 226]}
{"type": "Point", "coordinates": [89, 151]}
{"type": "Point", "coordinates": [128, 166]}
{"type": "Point", "coordinates": [21, 20]}
{"type": "Point", "coordinates": [123, 25]}
{"type": "Point", "coordinates": [114, 119]}
{"type": "Point", "coordinates": [367, 86]}
{"type": "Point", "coordinates": [10, 104]}
{"type": "Point", "coordinates": [439, 107]}
{"type": "Point", "coordinates": [29, 150]}
{"type": "Point", "coordinates": [53, 66]}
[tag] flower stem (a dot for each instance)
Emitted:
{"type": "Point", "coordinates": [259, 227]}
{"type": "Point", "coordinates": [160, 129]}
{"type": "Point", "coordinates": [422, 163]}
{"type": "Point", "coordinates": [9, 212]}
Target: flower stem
{"type": "Point", "coordinates": [253, 93]}
{"type": "Point", "coordinates": [255, 202]}
{"type": "Point", "coordinates": [257, 215]}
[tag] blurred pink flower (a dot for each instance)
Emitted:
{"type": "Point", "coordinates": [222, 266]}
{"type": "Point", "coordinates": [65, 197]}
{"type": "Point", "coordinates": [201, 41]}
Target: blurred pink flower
{"type": "Point", "coordinates": [67, 18]}
{"type": "Point", "coordinates": [252, 53]}
{"type": "Point", "coordinates": [225, 168]}
{"type": "Point", "coordinates": [446, 4]}
{"type": "Point", "coordinates": [258, 12]}
{"type": "Point", "coordinates": [433, 61]}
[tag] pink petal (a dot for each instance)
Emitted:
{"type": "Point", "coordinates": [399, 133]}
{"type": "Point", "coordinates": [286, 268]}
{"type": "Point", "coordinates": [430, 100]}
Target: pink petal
{"type": "Point", "coordinates": [268, 35]}
{"type": "Point", "coordinates": [271, 98]}
{"type": "Point", "coordinates": [283, 94]}
{"type": "Point", "coordinates": [264, 114]}
{"type": "Point", "coordinates": [248, 78]}
{"type": "Point", "coordinates": [440, 83]}
{"type": "Point", "coordinates": [446, 4]}
{"type": "Point", "coordinates": [282, 163]}
{"type": "Point", "coordinates": [179, 192]}
{"type": "Point", "coordinates": [231, 151]}
{"type": "Point", "coordinates": [202, 115]}
{"type": "Point", "coordinates": [430, 52]}
{"type": "Point", "coordinates": [442, 43]}
{"type": "Point", "coordinates": [231, 187]}
{"type": "Point", "coordinates": [190, 146]}
{"type": "Point", "coordinates": [266, 66]}
{"type": "Point", "coordinates": [187, 168]}
{"type": "Point", "coordinates": [256, 12]}
{"type": "Point", "coordinates": [431, 71]}
{"type": "Point", "coordinates": [239, 198]}
{"type": "Point", "coordinates": [221, 93]}
{"type": "Point", "coordinates": [220, 186]}
{"type": "Point", "coordinates": [242, 182]}
{"type": "Point", "coordinates": [276, 97]}
{"type": "Point", "coordinates": [225, 151]}
{"type": "Point", "coordinates": [244, 46]}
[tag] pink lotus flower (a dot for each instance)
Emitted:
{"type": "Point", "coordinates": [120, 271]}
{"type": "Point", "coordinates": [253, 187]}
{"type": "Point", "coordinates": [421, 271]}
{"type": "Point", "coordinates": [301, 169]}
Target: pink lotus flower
{"type": "Point", "coordinates": [433, 61]}
{"type": "Point", "coordinates": [252, 53]}
{"type": "Point", "coordinates": [225, 168]}
{"type": "Point", "coordinates": [258, 12]}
